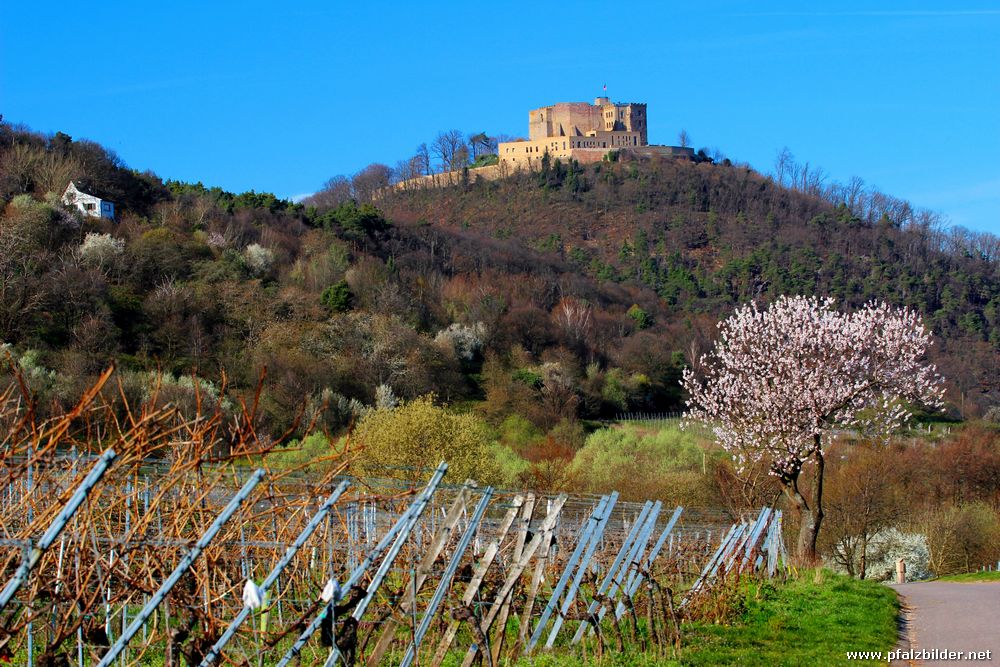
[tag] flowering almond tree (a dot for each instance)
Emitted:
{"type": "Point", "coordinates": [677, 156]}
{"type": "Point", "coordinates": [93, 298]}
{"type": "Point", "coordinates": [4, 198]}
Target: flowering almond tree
{"type": "Point", "coordinates": [780, 380]}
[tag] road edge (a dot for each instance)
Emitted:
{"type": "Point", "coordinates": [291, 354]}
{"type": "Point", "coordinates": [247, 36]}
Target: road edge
{"type": "Point", "coordinates": [903, 628]}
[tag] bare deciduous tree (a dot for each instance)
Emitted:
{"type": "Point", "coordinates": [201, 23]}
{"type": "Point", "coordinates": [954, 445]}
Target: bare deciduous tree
{"type": "Point", "coordinates": [861, 504]}
{"type": "Point", "coordinates": [335, 192]}
{"type": "Point", "coordinates": [574, 317]}
{"type": "Point", "coordinates": [422, 159]}
{"type": "Point", "coordinates": [446, 148]}
{"type": "Point", "coordinates": [783, 165]}
{"type": "Point", "coordinates": [370, 180]}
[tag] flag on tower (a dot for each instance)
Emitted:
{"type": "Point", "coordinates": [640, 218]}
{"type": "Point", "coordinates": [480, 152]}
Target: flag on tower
{"type": "Point", "coordinates": [605, 87]}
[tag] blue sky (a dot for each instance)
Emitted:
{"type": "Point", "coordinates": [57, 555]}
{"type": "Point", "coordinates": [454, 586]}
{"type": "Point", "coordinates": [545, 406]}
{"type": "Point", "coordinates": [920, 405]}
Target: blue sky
{"type": "Point", "coordinates": [281, 96]}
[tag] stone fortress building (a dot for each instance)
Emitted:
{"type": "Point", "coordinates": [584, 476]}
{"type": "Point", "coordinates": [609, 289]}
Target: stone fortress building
{"type": "Point", "coordinates": [583, 132]}
{"type": "Point", "coordinates": [567, 131]}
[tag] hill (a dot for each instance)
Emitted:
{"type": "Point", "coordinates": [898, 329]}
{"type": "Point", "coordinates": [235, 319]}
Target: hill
{"type": "Point", "coordinates": [706, 237]}
{"type": "Point", "coordinates": [572, 293]}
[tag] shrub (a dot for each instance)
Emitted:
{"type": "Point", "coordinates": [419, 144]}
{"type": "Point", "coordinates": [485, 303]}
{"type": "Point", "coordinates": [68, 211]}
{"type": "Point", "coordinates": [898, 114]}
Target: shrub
{"type": "Point", "coordinates": [258, 259]}
{"type": "Point", "coordinates": [528, 377]}
{"type": "Point", "coordinates": [550, 468]}
{"type": "Point", "coordinates": [406, 440]}
{"type": "Point", "coordinates": [385, 398]}
{"type": "Point", "coordinates": [185, 393]}
{"type": "Point", "coordinates": [23, 201]}
{"type": "Point", "coordinates": [512, 469]}
{"type": "Point", "coordinates": [519, 433]}
{"type": "Point", "coordinates": [101, 249]}
{"type": "Point", "coordinates": [641, 318]}
{"type": "Point", "coordinates": [665, 464]}
{"type": "Point", "coordinates": [569, 432]}
{"type": "Point", "coordinates": [961, 538]}
{"type": "Point", "coordinates": [329, 410]}
{"type": "Point", "coordinates": [302, 452]}
{"type": "Point", "coordinates": [620, 391]}
{"type": "Point", "coordinates": [992, 415]}
{"type": "Point", "coordinates": [887, 546]}
{"type": "Point", "coordinates": [615, 390]}
{"type": "Point", "coordinates": [39, 379]}
{"type": "Point", "coordinates": [337, 297]}
{"type": "Point", "coordinates": [467, 341]}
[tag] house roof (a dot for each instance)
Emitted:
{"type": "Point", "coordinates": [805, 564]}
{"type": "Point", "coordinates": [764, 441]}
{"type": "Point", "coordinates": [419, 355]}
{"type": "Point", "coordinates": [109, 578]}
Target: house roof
{"type": "Point", "coordinates": [88, 187]}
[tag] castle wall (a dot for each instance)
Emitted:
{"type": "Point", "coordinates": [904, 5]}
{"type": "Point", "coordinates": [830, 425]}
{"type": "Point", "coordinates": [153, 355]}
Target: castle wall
{"type": "Point", "coordinates": [563, 119]}
{"type": "Point", "coordinates": [666, 151]}
{"type": "Point", "coordinates": [630, 117]}
{"type": "Point", "coordinates": [589, 155]}
{"type": "Point", "coordinates": [580, 118]}
{"type": "Point", "coordinates": [528, 154]}
{"type": "Point", "coordinates": [490, 173]}
{"type": "Point", "coordinates": [539, 123]}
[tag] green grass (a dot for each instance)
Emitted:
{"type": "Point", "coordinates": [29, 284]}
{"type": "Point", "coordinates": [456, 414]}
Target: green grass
{"type": "Point", "coordinates": [814, 619]}
{"type": "Point", "coordinates": [972, 577]}
{"type": "Point", "coordinates": [811, 620]}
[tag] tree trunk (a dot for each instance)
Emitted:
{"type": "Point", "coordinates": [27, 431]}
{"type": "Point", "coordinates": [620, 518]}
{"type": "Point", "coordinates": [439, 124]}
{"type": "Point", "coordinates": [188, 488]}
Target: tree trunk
{"type": "Point", "coordinates": [864, 554]}
{"type": "Point", "coordinates": [801, 510]}
{"type": "Point", "coordinates": [817, 500]}
{"type": "Point", "coordinates": [810, 518]}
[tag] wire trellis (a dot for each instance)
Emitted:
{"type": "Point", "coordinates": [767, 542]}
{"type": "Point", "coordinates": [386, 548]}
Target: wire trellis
{"type": "Point", "coordinates": [165, 542]}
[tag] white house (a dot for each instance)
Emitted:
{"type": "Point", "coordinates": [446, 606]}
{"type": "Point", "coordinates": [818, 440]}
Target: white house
{"type": "Point", "coordinates": [88, 204]}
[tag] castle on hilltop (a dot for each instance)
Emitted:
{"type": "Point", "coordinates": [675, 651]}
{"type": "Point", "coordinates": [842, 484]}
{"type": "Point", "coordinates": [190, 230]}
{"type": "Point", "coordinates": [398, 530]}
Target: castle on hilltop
{"type": "Point", "coordinates": [578, 131]}
{"type": "Point", "coordinates": [583, 132]}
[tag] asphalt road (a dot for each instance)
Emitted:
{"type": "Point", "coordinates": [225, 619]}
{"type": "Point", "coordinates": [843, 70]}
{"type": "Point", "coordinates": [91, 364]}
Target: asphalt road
{"type": "Point", "coordinates": [954, 617]}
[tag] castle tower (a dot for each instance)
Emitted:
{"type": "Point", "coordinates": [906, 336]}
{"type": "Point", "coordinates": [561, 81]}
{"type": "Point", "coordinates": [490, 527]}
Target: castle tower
{"type": "Point", "coordinates": [579, 131]}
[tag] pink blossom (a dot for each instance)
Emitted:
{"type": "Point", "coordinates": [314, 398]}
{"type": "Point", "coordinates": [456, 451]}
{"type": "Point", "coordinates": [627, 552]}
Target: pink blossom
{"type": "Point", "coordinates": [779, 378]}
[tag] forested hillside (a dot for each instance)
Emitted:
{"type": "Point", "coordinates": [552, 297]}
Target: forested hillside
{"type": "Point", "coordinates": [574, 293]}
{"type": "Point", "coordinates": [707, 237]}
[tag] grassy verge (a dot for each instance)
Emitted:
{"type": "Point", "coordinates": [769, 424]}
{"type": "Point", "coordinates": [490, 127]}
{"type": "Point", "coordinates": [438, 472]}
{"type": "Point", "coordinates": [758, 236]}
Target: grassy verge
{"type": "Point", "coordinates": [813, 619]}
{"type": "Point", "coordinates": [972, 577]}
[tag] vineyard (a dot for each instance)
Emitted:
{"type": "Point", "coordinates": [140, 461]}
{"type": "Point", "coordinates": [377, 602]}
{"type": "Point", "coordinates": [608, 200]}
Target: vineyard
{"type": "Point", "coordinates": [136, 536]}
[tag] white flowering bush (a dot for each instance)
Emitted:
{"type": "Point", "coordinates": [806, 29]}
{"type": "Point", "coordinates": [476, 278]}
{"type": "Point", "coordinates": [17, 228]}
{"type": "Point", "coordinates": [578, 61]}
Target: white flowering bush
{"type": "Point", "coordinates": [889, 545]}
{"type": "Point", "coordinates": [101, 249]}
{"type": "Point", "coordinates": [330, 409]}
{"type": "Point", "coordinates": [258, 259]}
{"type": "Point", "coordinates": [779, 380]}
{"type": "Point", "coordinates": [992, 415]}
{"type": "Point", "coordinates": [385, 397]}
{"type": "Point", "coordinates": [466, 340]}
{"type": "Point", "coordinates": [217, 241]}
{"type": "Point", "coordinates": [184, 392]}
